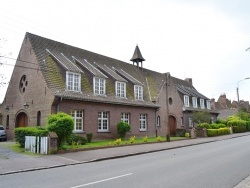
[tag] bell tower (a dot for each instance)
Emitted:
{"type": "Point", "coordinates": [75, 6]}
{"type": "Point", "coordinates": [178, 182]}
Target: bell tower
{"type": "Point", "coordinates": [137, 57]}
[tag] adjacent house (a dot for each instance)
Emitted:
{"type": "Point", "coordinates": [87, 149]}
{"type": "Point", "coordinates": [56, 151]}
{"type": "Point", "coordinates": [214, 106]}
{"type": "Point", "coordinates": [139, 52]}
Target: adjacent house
{"type": "Point", "coordinates": [227, 108]}
{"type": "Point", "coordinates": [183, 100]}
{"type": "Point", "coordinates": [97, 91]}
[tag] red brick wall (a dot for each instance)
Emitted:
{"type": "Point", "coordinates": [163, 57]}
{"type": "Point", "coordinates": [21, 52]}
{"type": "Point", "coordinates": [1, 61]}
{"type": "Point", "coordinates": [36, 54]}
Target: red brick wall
{"type": "Point", "coordinates": [90, 118]}
{"type": "Point", "coordinates": [36, 91]}
{"type": "Point", "coordinates": [175, 109]}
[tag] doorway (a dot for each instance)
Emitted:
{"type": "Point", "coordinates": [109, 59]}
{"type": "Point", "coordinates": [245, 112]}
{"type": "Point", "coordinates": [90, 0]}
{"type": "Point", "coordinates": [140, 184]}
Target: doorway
{"type": "Point", "coordinates": [22, 120]}
{"type": "Point", "coordinates": [172, 122]}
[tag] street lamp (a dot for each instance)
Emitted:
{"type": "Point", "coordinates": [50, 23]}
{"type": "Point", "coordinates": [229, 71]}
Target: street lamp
{"type": "Point", "coordinates": [238, 90]}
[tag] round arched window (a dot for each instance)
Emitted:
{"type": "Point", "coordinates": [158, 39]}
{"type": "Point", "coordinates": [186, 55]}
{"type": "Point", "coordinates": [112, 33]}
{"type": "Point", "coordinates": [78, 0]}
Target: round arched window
{"type": "Point", "coordinates": [23, 84]}
{"type": "Point", "coordinates": [170, 101]}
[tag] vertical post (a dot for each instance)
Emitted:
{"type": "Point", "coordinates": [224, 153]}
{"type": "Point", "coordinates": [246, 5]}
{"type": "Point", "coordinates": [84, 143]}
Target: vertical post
{"type": "Point", "coordinates": [238, 97]}
{"type": "Point", "coordinates": [167, 118]}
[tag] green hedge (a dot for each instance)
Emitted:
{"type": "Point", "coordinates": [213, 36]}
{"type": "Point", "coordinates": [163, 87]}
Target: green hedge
{"type": "Point", "coordinates": [248, 125]}
{"type": "Point", "coordinates": [217, 132]}
{"type": "Point", "coordinates": [21, 132]}
{"type": "Point", "coordinates": [239, 129]}
{"type": "Point", "coordinates": [212, 126]}
{"type": "Point", "coordinates": [236, 123]}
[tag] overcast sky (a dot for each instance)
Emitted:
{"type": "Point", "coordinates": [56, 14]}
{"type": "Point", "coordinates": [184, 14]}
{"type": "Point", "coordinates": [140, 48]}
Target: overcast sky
{"type": "Point", "coordinates": [204, 40]}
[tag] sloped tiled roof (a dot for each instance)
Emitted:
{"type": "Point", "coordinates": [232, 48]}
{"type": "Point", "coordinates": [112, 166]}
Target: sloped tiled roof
{"type": "Point", "coordinates": [64, 62]}
{"type": "Point", "coordinates": [129, 77]}
{"type": "Point", "coordinates": [54, 56]}
{"type": "Point", "coordinates": [187, 89]}
{"type": "Point", "coordinates": [111, 73]}
{"type": "Point", "coordinates": [93, 70]}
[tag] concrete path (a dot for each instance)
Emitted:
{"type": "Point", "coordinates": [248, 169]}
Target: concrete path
{"type": "Point", "coordinates": [15, 163]}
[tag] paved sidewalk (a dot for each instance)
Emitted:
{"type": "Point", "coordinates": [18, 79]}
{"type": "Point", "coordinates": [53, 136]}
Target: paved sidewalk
{"type": "Point", "coordinates": [31, 163]}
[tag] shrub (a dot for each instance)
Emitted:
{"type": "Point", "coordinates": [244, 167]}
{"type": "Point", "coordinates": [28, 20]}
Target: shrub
{"type": "Point", "coordinates": [217, 132]}
{"type": "Point", "coordinates": [236, 122]}
{"type": "Point", "coordinates": [201, 117]}
{"type": "Point", "coordinates": [217, 126]}
{"type": "Point", "coordinates": [145, 139]}
{"type": "Point", "coordinates": [75, 139]}
{"type": "Point", "coordinates": [21, 132]}
{"type": "Point", "coordinates": [180, 132]}
{"type": "Point", "coordinates": [239, 129]}
{"type": "Point", "coordinates": [158, 138]}
{"type": "Point", "coordinates": [62, 124]}
{"type": "Point", "coordinates": [187, 135]}
{"type": "Point", "coordinates": [204, 125]}
{"type": "Point", "coordinates": [221, 121]}
{"type": "Point", "coordinates": [132, 139]}
{"type": "Point", "coordinates": [248, 125]}
{"type": "Point", "coordinates": [243, 115]}
{"type": "Point", "coordinates": [122, 128]}
{"type": "Point", "coordinates": [118, 141]}
{"type": "Point", "coordinates": [89, 137]}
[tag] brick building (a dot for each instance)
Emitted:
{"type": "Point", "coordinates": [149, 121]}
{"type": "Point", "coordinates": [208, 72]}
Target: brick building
{"type": "Point", "coordinates": [96, 90]}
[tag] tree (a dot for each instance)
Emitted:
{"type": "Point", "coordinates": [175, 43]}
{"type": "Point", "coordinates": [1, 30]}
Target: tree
{"type": "Point", "coordinates": [122, 128]}
{"type": "Point", "coordinates": [62, 124]}
{"type": "Point", "coordinates": [201, 117]}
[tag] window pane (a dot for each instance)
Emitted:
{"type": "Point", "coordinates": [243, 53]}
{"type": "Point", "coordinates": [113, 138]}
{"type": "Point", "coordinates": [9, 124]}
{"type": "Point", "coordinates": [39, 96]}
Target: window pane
{"type": "Point", "coordinates": [73, 82]}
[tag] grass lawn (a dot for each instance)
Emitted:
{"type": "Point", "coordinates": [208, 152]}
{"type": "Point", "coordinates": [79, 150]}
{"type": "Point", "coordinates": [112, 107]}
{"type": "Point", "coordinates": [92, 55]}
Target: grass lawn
{"type": "Point", "coordinates": [110, 143]}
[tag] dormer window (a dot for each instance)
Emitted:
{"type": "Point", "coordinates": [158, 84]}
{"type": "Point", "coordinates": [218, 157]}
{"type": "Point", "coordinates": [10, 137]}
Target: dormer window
{"type": "Point", "coordinates": [208, 104]}
{"type": "Point", "coordinates": [186, 100]}
{"type": "Point", "coordinates": [202, 103]}
{"type": "Point", "coordinates": [121, 89]}
{"type": "Point", "coordinates": [194, 100]}
{"type": "Point", "coordinates": [138, 90]}
{"type": "Point", "coordinates": [99, 86]}
{"type": "Point", "coordinates": [73, 81]}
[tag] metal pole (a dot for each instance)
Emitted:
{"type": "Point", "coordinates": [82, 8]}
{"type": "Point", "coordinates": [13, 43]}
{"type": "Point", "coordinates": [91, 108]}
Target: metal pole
{"type": "Point", "coordinates": [238, 95]}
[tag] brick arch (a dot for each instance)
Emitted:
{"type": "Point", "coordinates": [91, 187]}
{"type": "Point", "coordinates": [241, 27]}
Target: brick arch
{"type": "Point", "coordinates": [21, 119]}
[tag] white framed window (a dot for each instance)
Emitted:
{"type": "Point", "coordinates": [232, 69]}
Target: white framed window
{"type": "Point", "coordinates": [191, 124]}
{"type": "Point", "coordinates": [99, 86]}
{"type": "Point", "coordinates": [194, 100]}
{"type": "Point", "coordinates": [125, 117]}
{"type": "Point", "coordinates": [73, 81]}
{"type": "Point", "coordinates": [77, 116]}
{"type": "Point", "coordinates": [143, 122]}
{"type": "Point", "coordinates": [103, 121]}
{"type": "Point", "coordinates": [202, 103]}
{"type": "Point", "coordinates": [121, 89]}
{"type": "Point", "coordinates": [212, 119]}
{"type": "Point", "coordinates": [186, 100]}
{"type": "Point", "coordinates": [138, 90]}
{"type": "Point", "coordinates": [208, 104]}
{"type": "Point", "coordinates": [158, 122]}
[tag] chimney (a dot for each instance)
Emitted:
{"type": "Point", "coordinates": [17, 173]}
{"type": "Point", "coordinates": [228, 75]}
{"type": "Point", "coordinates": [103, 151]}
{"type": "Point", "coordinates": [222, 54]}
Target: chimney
{"type": "Point", "coordinates": [189, 80]}
{"type": "Point", "coordinates": [212, 101]}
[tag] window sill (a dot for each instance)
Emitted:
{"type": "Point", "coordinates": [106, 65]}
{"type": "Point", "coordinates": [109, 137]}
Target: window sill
{"type": "Point", "coordinates": [100, 95]}
{"type": "Point", "coordinates": [78, 131]}
{"type": "Point", "coordinates": [103, 132]}
{"type": "Point", "coordinates": [143, 130]}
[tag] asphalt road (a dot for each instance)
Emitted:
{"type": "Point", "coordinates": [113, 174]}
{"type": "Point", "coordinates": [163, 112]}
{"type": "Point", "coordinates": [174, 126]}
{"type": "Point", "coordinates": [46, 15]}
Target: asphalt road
{"type": "Point", "coordinates": [220, 164]}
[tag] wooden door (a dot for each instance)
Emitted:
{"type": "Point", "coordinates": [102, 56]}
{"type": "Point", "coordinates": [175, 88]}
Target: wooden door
{"type": "Point", "coordinates": [21, 120]}
{"type": "Point", "coordinates": [172, 122]}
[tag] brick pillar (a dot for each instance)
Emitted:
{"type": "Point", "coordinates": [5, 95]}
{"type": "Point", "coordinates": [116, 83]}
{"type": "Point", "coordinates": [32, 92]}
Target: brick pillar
{"type": "Point", "coordinates": [52, 144]}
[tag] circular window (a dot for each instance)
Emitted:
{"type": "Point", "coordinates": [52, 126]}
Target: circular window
{"type": "Point", "coordinates": [23, 84]}
{"type": "Point", "coordinates": [170, 101]}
